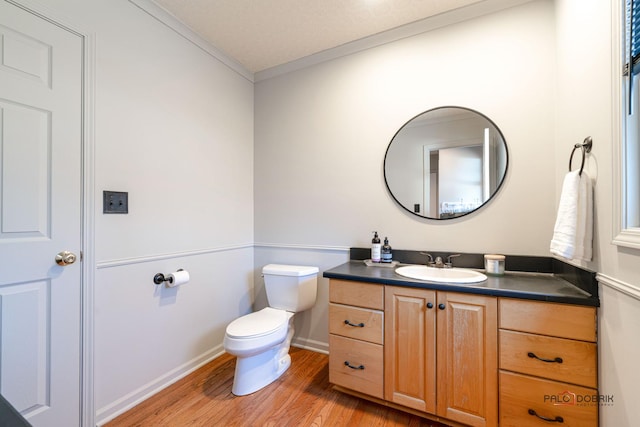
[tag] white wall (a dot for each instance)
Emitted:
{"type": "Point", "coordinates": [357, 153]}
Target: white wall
{"type": "Point", "coordinates": [174, 128]}
{"type": "Point", "coordinates": [321, 135]}
{"type": "Point", "coordinates": [584, 108]}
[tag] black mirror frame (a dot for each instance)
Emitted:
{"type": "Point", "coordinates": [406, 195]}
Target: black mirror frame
{"type": "Point", "coordinates": [504, 176]}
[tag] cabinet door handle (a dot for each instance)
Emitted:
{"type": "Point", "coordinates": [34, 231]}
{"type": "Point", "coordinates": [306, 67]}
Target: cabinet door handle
{"type": "Point", "coordinates": [346, 363]}
{"type": "Point", "coordinates": [542, 359]}
{"type": "Point", "coordinates": [357, 325]}
{"type": "Point", "coordinates": [429, 305]}
{"type": "Point", "coordinates": [441, 306]}
{"type": "Point", "coordinates": [557, 419]}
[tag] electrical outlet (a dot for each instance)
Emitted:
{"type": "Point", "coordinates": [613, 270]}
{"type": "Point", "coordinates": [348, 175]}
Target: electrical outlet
{"type": "Point", "coordinates": [115, 202]}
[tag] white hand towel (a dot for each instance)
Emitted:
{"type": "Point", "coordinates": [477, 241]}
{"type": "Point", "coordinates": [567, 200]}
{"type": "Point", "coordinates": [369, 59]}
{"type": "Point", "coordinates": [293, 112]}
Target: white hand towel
{"type": "Point", "coordinates": [573, 231]}
{"type": "Point", "coordinates": [584, 230]}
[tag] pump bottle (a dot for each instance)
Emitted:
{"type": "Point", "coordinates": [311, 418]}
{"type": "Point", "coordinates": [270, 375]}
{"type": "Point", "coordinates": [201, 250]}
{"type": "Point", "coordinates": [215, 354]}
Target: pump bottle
{"type": "Point", "coordinates": [376, 248]}
{"type": "Point", "coordinates": [386, 251]}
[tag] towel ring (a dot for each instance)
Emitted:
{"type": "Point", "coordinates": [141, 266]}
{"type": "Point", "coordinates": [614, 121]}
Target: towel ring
{"type": "Point", "coordinates": [586, 148]}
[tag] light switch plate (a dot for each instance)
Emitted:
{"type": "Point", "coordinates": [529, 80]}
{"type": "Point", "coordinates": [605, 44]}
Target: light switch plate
{"type": "Point", "coordinates": [115, 202]}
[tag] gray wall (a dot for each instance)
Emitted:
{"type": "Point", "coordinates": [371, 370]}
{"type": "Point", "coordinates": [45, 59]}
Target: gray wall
{"type": "Point", "coordinates": [174, 128]}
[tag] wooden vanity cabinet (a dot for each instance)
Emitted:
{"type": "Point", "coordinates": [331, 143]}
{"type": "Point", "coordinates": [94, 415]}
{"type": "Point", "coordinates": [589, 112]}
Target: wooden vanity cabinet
{"type": "Point", "coordinates": [465, 359]}
{"type": "Point", "coordinates": [548, 364]}
{"type": "Point", "coordinates": [441, 353]}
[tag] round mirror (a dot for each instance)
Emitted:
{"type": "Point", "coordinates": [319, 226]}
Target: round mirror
{"type": "Point", "coordinates": [445, 163]}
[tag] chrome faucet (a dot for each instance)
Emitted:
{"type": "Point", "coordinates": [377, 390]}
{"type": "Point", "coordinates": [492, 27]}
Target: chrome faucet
{"type": "Point", "coordinates": [430, 262]}
{"type": "Point", "coordinates": [449, 263]}
{"type": "Point", "coordinates": [438, 262]}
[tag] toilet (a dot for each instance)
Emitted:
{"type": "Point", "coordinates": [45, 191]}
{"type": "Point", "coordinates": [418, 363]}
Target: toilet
{"type": "Point", "coordinates": [261, 340]}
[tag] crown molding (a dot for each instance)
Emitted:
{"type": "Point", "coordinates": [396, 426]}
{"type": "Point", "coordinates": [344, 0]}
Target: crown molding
{"type": "Point", "coordinates": [405, 31]}
{"type": "Point", "coordinates": [172, 22]}
{"type": "Point", "coordinates": [425, 25]}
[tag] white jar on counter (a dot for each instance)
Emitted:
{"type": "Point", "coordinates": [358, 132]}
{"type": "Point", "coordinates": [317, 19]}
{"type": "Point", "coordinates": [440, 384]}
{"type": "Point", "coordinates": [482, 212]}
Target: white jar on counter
{"type": "Point", "coordinates": [494, 264]}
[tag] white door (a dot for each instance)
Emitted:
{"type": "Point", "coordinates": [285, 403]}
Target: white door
{"type": "Point", "coordinates": [40, 216]}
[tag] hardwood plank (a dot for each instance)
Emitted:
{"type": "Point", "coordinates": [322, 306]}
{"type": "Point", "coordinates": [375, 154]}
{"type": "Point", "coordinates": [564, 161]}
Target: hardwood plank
{"type": "Point", "coordinates": [303, 396]}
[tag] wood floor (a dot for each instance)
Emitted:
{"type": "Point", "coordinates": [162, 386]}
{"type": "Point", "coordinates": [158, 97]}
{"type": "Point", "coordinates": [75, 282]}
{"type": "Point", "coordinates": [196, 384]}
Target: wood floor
{"type": "Point", "coordinates": [301, 397]}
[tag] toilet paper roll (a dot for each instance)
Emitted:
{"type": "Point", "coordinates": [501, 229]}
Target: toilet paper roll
{"type": "Point", "coordinates": [177, 278]}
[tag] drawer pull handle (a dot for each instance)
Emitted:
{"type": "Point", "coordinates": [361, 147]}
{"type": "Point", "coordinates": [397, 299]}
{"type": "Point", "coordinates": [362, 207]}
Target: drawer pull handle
{"type": "Point", "coordinates": [534, 356]}
{"type": "Point", "coordinates": [357, 325]}
{"type": "Point", "coordinates": [346, 363]}
{"type": "Point", "coordinates": [557, 419]}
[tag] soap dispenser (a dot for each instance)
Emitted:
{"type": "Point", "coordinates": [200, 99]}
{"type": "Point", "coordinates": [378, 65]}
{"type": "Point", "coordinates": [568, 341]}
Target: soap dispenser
{"type": "Point", "coordinates": [376, 248]}
{"type": "Point", "coordinates": [386, 251]}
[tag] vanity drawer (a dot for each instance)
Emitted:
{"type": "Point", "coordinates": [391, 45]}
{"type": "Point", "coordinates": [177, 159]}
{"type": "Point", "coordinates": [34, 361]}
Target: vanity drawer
{"type": "Point", "coordinates": [366, 360]}
{"type": "Point", "coordinates": [557, 320]}
{"type": "Point", "coordinates": [368, 295]}
{"type": "Point", "coordinates": [354, 322]}
{"type": "Point", "coordinates": [578, 364]}
{"type": "Point", "coordinates": [520, 394]}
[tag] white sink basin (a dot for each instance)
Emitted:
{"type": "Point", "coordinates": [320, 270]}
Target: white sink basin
{"type": "Point", "coordinates": [441, 275]}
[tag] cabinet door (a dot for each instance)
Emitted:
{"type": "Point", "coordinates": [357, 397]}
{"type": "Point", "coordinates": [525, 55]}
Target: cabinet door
{"type": "Point", "coordinates": [467, 358]}
{"type": "Point", "coordinates": [410, 364]}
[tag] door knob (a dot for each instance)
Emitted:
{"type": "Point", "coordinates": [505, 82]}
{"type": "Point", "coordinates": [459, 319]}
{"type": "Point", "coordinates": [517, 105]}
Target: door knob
{"type": "Point", "coordinates": [65, 258]}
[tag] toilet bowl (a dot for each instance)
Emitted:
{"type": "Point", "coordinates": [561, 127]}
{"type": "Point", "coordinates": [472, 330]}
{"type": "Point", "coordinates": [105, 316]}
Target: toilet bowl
{"type": "Point", "coordinates": [261, 343]}
{"type": "Point", "coordinates": [261, 340]}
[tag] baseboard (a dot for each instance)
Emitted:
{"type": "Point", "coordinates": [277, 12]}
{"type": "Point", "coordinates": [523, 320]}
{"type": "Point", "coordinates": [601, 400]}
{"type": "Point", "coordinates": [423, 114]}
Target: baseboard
{"type": "Point", "coordinates": [122, 405]}
{"type": "Point", "coordinates": [307, 344]}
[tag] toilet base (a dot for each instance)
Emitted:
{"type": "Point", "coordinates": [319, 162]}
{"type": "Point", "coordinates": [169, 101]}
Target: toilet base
{"type": "Point", "coordinates": [258, 371]}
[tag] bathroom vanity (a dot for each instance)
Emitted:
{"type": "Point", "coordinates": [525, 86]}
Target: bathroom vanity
{"type": "Point", "coordinates": [517, 350]}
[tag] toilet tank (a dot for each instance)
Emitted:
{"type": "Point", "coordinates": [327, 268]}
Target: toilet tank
{"type": "Point", "coordinates": [290, 287]}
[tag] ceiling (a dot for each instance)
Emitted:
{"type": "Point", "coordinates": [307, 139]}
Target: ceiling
{"type": "Point", "coordinates": [262, 34]}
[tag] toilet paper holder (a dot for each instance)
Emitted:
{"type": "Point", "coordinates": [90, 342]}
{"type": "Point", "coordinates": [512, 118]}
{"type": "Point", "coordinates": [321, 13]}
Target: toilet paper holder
{"type": "Point", "coordinates": [160, 278]}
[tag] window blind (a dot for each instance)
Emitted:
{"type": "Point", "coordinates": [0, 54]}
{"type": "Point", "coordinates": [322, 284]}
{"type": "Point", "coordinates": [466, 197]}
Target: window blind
{"type": "Point", "coordinates": [633, 36]}
{"type": "Point", "coordinates": [632, 48]}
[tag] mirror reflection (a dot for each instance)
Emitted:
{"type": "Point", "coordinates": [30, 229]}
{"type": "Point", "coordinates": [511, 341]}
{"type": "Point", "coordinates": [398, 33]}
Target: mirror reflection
{"type": "Point", "coordinates": [445, 163]}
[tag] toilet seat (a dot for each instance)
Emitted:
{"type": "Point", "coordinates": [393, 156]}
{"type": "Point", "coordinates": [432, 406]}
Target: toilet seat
{"type": "Point", "coordinates": [258, 324]}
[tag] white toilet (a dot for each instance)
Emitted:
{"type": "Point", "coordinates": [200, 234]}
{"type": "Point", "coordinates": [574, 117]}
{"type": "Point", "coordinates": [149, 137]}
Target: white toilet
{"type": "Point", "coordinates": [261, 340]}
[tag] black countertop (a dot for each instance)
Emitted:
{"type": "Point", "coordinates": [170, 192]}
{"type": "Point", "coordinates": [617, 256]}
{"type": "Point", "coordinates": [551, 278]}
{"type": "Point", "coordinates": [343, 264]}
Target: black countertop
{"type": "Point", "coordinates": [9, 416]}
{"type": "Point", "coordinates": [524, 285]}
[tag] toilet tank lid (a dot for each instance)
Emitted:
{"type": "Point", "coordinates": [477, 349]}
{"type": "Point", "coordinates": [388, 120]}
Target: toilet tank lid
{"type": "Point", "coordinates": [289, 270]}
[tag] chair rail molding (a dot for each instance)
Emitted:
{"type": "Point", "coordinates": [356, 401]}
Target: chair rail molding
{"type": "Point", "coordinates": [620, 286]}
{"type": "Point", "coordinates": [160, 257]}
